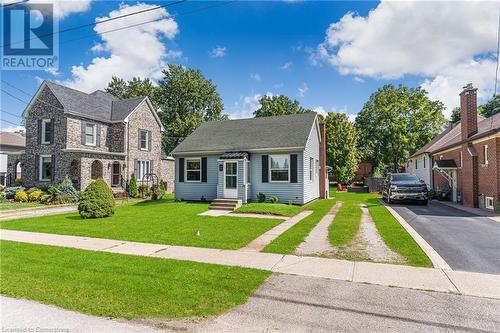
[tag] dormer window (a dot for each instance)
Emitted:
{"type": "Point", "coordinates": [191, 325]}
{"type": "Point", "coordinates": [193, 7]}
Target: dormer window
{"type": "Point", "coordinates": [46, 128]}
{"type": "Point", "coordinates": [90, 134]}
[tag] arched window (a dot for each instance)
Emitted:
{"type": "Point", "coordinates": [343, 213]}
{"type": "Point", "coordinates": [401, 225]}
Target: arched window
{"type": "Point", "coordinates": [18, 170]}
{"type": "Point", "coordinates": [96, 170]}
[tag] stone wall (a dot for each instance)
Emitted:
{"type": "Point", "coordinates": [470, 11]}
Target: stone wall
{"type": "Point", "coordinates": [168, 174]}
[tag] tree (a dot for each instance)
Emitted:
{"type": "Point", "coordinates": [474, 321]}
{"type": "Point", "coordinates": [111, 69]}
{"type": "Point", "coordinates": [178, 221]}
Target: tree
{"type": "Point", "coordinates": [455, 115]}
{"type": "Point", "coordinates": [277, 106]}
{"type": "Point", "coordinates": [132, 189]}
{"type": "Point", "coordinates": [491, 107]}
{"type": "Point", "coordinates": [395, 122]}
{"type": "Point", "coordinates": [97, 200]}
{"type": "Point", "coordinates": [341, 153]}
{"type": "Point", "coordinates": [186, 100]}
{"type": "Point", "coordinates": [136, 87]}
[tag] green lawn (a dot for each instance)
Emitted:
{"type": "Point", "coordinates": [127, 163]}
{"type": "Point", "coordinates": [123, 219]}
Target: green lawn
{"type": "Point", "coordinates": [163, 222]}
{"type": "Point", "coordinates": [18, 205]}
{"type": "Point", "coordinates": [287, 242]}
{"type": "Point", "coordinates": [270, 208]}
{"type": "Point", "coordinates": [115, 285]}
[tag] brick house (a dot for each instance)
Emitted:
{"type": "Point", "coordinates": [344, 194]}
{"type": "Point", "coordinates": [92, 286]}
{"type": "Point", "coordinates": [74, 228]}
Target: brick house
{"type": "Point", "coordinates": [90, 136]}
{"type": "Point", "coordinates": [464, 157]}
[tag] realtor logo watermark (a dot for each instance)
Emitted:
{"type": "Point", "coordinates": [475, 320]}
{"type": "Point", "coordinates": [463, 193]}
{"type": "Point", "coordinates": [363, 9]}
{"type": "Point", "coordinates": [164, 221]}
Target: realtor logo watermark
{"type": "Point", "coordinates": [29, 41]}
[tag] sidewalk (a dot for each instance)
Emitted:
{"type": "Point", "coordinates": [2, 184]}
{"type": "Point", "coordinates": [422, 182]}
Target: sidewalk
{"type": "Point", "coordinates": [473, 284]}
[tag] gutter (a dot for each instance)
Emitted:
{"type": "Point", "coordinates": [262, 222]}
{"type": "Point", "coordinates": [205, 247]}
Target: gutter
{"type": "Point", "coordinates": [472, 138]}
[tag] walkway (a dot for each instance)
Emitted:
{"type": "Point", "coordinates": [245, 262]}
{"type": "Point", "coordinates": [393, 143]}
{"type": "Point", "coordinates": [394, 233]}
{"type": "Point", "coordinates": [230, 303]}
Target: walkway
{"type": "Point", "coordinates": [265, 239]}
{"type": "Point", "coordinates": [12, 214]}
{"type": "Point", "coordinates": [317, 242]}
{"type": "Point", "coordinates": [475, 284]}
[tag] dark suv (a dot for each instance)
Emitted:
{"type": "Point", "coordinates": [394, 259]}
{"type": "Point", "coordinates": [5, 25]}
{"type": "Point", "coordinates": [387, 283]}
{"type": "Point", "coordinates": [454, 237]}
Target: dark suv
{"type": "Point", "coordinates": [403, 187]}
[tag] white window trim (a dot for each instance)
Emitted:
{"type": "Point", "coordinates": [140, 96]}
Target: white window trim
{"type": "Point", "coordinates": [139, 167]}
{"type": "Point", "coordinates": [147, 140]}
{"type": "Point", "coordinates": [486, 205]}
{"type": "Point", "coordinates": [270, 170]}
{"type": "Point", "coordinates": [94, 134]}
{"type": "Point", "coordinates": [311, 169]}
{"type": "Point", "coordinates": [40, 169]}
{"type": "Point", "coordinates": [186, 169]}
{"type": "Point", "coordinates": [44, 125]}
{"type": "Point", "coordinates": [485, 152]}
{"type": "Point", "coordinates": [461, 160]}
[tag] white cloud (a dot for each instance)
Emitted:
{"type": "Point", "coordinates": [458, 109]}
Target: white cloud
{"type": "Point", "coordinates": [440, 41]}
{"type": "Point", "coordinates": [286, 65]}
{"type": "Point", "coordinates": [63, 8]}
{"type": "Point", "coordinates": [173, 54]}
{"type": "Point", "coordinates": [218, 52]}
{"type": "Point", "coordinates": [359, 79]}
{"type": "Point", "coordinates": [246, 105]}
{"type": "Point", "coordinates": [138, 51]}
{"type": "Point", "coordinates": [302, 90]}
{"type": "Point", "coordinates": [13, 129]}
{"type": "Point", "coordinates": [321, 110]}
{"type": "Point", "coordinates": [255, 76]}
{"type": "Point", "coordinates": [278, 85]}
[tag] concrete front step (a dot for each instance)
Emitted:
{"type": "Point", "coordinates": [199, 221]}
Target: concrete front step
{"type": "Point", "coordinates": [216, 207]}
{"type": "Point", "coordinates": [225, 204]}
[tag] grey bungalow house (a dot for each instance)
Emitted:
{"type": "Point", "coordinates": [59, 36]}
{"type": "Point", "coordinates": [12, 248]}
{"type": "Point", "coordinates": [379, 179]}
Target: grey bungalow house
{"type": "Point", "coordinates": [281, 156]}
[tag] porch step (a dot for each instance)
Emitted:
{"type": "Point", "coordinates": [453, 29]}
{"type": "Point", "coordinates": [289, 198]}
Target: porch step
{"type": "Point", "coordinates": [225, 204]}
{"type": "Point", "coordinates": [217, 207]}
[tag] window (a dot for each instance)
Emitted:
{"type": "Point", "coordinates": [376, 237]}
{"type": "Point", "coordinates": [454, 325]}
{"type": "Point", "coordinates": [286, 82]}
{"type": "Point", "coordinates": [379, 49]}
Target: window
{"type": "Point", "coordinates": [485, 154]}
{"type": "Point", "coordinates": [461, 159]}
{"type": "Point", "coordinates": [143, 140]}
{"type": "Point", "coordinates": [142, 168]}
{"type": "Point", "coordinates": [424, 162]}
{"type": "Point", "coordinates": [311, 167]}
{"type": "Point", "coordinates": [488, 203]}
{"type": "Point", "coordinates": [416, 163]}
{"type": "Point", "coordinates": [280, 167]}
{"type": "Point", "coordinates": [45, 167]}
{"type": "Point", "coordinates": [46, 131]}
{"type": "Point", "coordinates": [90, 135]}
{"type": "Point", "coordinates": [193, 169]}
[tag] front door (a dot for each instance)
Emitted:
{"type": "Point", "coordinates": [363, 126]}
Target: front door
{"type": "Point", "coordinates": [115, 177]}
{"type": "Point", "coordinates": [231, 180]}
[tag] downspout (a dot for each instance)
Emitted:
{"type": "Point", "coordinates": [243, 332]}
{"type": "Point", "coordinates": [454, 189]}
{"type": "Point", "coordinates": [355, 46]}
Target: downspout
{"type": "Point", "coordinates": [128, 152]}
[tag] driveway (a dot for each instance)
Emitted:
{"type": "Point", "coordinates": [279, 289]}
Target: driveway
{"type": "Point", "coordinates": [465, 241]}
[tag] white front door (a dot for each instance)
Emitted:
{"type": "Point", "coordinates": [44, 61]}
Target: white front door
{"type": "Point", "coordinates": [231, 180]}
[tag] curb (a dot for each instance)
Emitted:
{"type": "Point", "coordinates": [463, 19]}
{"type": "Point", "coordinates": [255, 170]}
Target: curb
{"type": "Point", "coordinates": [436, 259]}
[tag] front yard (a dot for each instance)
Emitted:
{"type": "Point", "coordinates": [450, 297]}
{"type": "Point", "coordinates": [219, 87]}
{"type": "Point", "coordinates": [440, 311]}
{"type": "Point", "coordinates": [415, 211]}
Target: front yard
{"type": "Point", "coordinates": [162, 222]}
{"type": "Point", "coordinates": [122, 286]}
{"type": "Point", "coordinates": [270, 208]}
{"type": "Point", "coordinates": [7, 205]}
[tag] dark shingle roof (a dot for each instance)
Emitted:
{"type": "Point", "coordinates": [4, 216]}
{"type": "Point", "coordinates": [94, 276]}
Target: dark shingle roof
{"type": "Point", "coordinates": [99, 104]}
{"type": "Point", "coordinates": [291, 131]}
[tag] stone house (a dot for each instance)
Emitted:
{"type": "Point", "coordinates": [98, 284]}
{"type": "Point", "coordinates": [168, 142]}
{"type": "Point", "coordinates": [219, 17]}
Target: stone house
{"type": "Point", "coordinates": [464, 158]}
{"type": "Point", "coordinates": [89, 136]}
{"type": "Point", "coordinates": [10, 143]}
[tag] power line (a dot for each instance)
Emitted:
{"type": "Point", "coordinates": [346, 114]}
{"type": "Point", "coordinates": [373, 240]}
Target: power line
{"type": "Point", "coordinates": [10, 122]}
{"type": "Point", "coordinates": [9, 113]}
{"type": "Point", "coordinates": [18, 89]}
{"type": "Point", "coordinates": [23, 101]}
{"type": "Point", "coordinates": [15, 97]}
{"type": "Point", "coordinates": [97, 22]}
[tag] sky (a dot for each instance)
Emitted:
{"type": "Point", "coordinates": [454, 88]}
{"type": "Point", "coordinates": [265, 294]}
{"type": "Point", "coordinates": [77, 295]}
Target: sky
{"type": "Point", "coordinates": [330, 56]}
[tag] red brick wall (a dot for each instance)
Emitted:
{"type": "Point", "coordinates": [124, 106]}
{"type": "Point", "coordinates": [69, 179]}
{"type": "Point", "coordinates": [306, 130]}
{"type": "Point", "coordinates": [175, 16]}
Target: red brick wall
{"type": "Point", "coordinates": [438, 180]}
{"type": "Point", "coordinates": [488, 174]}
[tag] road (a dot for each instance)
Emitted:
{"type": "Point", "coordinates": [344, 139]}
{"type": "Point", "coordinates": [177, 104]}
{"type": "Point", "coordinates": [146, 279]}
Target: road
{"type": "Point", "coordinates": [466, 242]}
{"type": "Point", "coordinates": [288, 303]}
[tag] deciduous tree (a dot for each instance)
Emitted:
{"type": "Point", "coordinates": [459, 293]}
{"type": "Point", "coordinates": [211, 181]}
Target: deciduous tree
{"type": "Point", "coordinates": [278, 106]}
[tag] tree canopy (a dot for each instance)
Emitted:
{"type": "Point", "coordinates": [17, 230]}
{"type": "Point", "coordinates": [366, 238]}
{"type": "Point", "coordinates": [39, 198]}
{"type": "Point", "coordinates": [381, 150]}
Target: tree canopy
{"type": "Point", "coordinates": [395, 122]}
{"type": "Point", "coordinates": [136, 87]}
{"type": "Point", "coordinates": [341, 153]}
{"type": "Point", "coordinates": [491, 107]}
{"type": "Point", "coordinates": [277, 106]}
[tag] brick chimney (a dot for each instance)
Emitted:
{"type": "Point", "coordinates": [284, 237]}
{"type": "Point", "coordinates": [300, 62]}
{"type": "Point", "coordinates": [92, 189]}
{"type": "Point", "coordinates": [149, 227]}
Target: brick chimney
{"type": "Point", "coordinates": [322, 163]}
{"type": "Point", "coordinates": [468, 111]}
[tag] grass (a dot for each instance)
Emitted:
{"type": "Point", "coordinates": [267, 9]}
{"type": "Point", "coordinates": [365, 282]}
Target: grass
{"type": "Point", "coordinates": [287, 242]}
{"type": "Point", "coordinates": [270, 208]}
{"type": "Point", "coordinates": [18, 205]}
{"type": "Point", "coordinates": [162, 222]}
{"type": "Point", "coordinates": [122, 286]}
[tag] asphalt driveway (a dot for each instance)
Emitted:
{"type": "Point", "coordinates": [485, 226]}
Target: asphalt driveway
{"type": "Point", "coordinates": [465, 241]}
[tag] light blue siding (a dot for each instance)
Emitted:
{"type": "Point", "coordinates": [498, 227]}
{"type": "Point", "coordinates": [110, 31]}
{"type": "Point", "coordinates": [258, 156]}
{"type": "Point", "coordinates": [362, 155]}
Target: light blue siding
{"type": "Point", "coordinates": [311, 188]}
{"type": "Point", "coordinates": [285, 191]}
{"type": "Point", "coordinates": [197, 190]}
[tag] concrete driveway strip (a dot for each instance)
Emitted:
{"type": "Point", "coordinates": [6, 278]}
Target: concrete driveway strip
{"type": "Point", "coordinates": [465, 241]}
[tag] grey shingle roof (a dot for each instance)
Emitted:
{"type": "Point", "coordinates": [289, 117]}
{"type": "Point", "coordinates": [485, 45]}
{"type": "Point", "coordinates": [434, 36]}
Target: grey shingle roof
{"type": "Point", "coordinates": [289, 131]}
{"type": "Point", "coordinates": [98, 105]}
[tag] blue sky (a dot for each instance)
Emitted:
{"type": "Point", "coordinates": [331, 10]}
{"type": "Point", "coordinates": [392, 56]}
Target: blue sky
{"type": "Point", "coordinates": [328, 55]}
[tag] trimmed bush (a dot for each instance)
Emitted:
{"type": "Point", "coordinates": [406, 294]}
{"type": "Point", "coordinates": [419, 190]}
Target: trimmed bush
{"type": "Point", "coordinates": [144, 191]}
{"type": "Point", "coordinates": [2, 196]}
{"type": "Point", "coordinates": [67, 189]}
{"type": "Point", "coordinates": [10, 192]}
{"type": "Point", "coordinates": [132, 190]}
{"type": "Point", "coordinates": [97, 201]}
{"type": "Point", "coordinates": [273, 199]}
{"type": "Point", "coordinates": [21, 196]}
{"type": "Point", "coordinates": [35, 195]}
{"type": "Point", "coordinates": [261, 197]}
{"type": "Point", "coordinates": [46, 199]}
{"type": "Point", "coordinates": [163, 188]}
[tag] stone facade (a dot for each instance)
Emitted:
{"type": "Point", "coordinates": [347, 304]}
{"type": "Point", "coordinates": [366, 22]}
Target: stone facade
{"type": "Point", "coordinates": [168, 173]}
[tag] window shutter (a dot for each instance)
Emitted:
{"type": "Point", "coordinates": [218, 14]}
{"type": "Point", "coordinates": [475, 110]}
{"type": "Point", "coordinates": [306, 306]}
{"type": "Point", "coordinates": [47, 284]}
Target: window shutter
{"type": "Point", "coordinates": [139, 139]}
{"type": "Point", "coordinates": [149, 140]}
{"type": "Point", "coordinates": [203, 169]}
{"type": "Point", "coordinates": [265, 168]}
{"type": "Point", "coordinates": [37, 167]}
{"type": "Point", "coordinates": [293, 168]}
{"type": "Point", "coordinates": [53, 166]}
{"type": "Point", "coordinates": [135, 169]}
{"type": "Point", "coordinates": [39, 131]}
{"type": "Point", "coordinates": [83, 132]}
{"type": "Point", "coordinates": [98, 135]}
{"type": "Point", "coordinates": [150, 166]}
{"type": "Point", "coordinates": [181, 170]}
{"type": "Point", "coordinates": [52, 130]}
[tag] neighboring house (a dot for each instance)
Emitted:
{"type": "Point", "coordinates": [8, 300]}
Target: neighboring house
{"type": "Point", "coordinates": [465, 157]}
{"type": "Point", "coordinates": [89, 136]}
{"type": "Point", "coordinates": [10, 143]}
{"type": "Point", "coordinates": [282, 156]}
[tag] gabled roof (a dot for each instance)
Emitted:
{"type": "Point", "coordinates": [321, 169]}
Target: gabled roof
{"type": "Point", "coordinates": [278, 132]}
{"type": "Point", "coordinates": [12, 139]}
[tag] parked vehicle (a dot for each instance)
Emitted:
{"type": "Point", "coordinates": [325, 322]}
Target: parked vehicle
{"type": "Point", "coordinates": [405, 187]}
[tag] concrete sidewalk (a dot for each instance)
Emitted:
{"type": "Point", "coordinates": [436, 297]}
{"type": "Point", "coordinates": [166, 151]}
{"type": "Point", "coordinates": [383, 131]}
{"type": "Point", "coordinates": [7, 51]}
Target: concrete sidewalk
{"type": "Point", "coordinates": [474, 284]}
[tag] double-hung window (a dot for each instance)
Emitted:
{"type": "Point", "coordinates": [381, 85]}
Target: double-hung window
{"type": "Point", "coordinates": [311, 167]}
{"type": "Point", "coordinates": [193, 169]}
{"type": "Point", "coordinates": [143, 140]}
{"type": "Point", "coordinates": [47, 129]}
{"type": "Point", "coordinates": [90, 134]}
{"type": "Point", "coordinates": [485, 154]}
{"type": "Point", "coordinates": [142, 168]}
{"type": "Point", "coordinates": [280, 168]}
{"type": "Point", "coordinates": [45, 167]}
